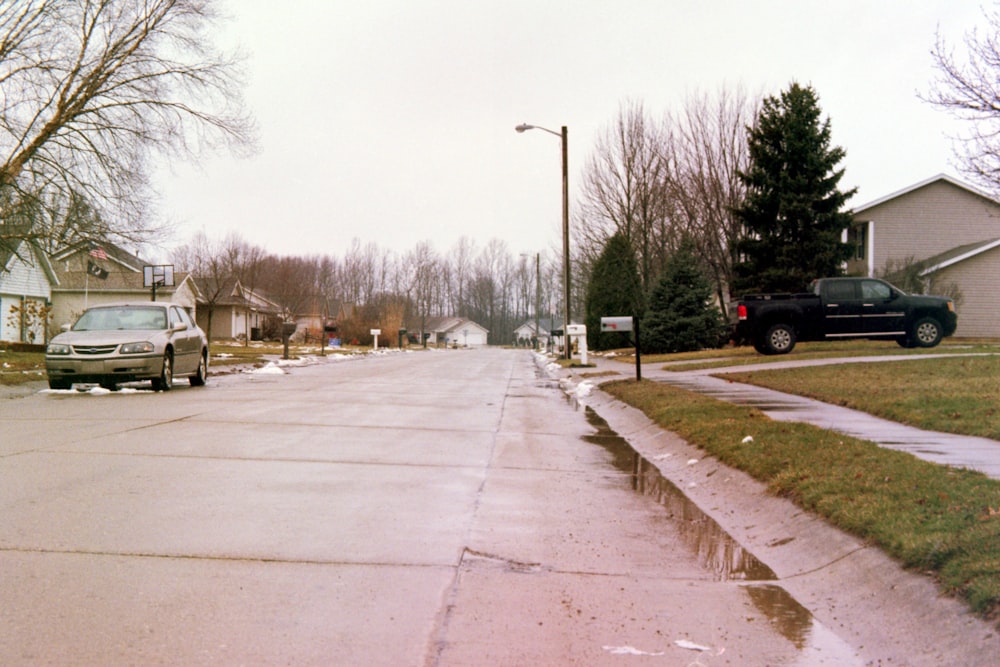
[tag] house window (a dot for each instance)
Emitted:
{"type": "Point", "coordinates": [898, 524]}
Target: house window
{"type": "Point", "coordinates": [859, 238]}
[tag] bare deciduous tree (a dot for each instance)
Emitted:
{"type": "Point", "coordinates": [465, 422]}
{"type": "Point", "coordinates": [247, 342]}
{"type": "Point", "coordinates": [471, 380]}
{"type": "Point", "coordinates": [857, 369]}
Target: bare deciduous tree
{"type": "Point", "coordinates": [710, 145]}
{"type": "Point", "coordinates": [90, 90]}
{"type": "Point", "coordinates": [969, 88]}
{"type": "Point", "coordinates": [421, 270]}
{"type": "Point", "coordinates": [624, 190]}
{"type": "Point", "coordinates": [209, 263]}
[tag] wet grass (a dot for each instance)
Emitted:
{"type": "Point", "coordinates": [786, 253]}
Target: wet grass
{"type": "Point", "coordinates": [746, 356]}
{"type": "Point", "coordinates": [932, 518]}
{"type": "Point", "coordinates": [20, 367]}
{"type": "Point", "coordinates": [960, 395]}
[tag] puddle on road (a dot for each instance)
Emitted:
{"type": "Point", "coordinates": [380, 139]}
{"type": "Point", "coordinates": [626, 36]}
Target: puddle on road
{"type": "Point", "coordinates": [717, 551]}
{"type": "Point", "coordinates": [720, 554]}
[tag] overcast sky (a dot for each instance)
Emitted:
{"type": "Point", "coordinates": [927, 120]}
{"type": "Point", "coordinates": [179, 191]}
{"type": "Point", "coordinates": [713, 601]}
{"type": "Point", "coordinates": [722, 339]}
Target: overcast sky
{"type": "Point", "coordinates": [393, 120]}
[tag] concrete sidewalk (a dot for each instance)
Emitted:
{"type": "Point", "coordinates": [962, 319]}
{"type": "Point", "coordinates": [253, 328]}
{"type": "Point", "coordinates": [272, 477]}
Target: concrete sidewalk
{"type": "Point", "coordinates": [982, 454]}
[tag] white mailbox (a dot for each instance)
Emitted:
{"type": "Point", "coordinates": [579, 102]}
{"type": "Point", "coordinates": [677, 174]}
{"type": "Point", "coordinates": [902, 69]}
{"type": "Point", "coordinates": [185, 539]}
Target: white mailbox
{"type": "Point", "coordinates": [616, 324]}
{"type": "Point", "coordinates": [579, 332]}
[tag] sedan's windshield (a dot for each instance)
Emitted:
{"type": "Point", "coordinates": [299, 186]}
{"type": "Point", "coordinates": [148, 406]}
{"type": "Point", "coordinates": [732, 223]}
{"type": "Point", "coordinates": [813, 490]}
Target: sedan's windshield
{"type": "Point", "coordinates": [133, 317]}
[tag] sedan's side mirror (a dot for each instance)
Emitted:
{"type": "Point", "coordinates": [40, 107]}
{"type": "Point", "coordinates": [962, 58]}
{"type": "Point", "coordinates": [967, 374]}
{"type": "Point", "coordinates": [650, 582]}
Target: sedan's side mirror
{"type": "Point", "coordinates": [66, 327]}
{"type": "Point", "coordinates": [180, 326]}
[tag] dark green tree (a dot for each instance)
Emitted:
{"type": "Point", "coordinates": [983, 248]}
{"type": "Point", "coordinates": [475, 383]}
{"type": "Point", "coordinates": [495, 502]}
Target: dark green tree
{"type": "Point", "coordinates": [614, 289]}
{"type": "Point", "coordinates": [791, 214]}
{"type": "Point", "coordinates": [681, 315]}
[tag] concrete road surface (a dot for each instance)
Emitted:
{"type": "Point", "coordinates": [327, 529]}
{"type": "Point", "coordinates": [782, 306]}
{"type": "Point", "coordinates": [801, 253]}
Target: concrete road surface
{"type": "Point", "coordinates": [428, 508]}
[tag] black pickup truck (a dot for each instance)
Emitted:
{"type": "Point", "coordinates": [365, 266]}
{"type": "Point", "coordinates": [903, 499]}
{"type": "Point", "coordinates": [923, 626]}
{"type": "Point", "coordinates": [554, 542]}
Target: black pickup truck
{"type": "Point", "coordinates": [837, 308]}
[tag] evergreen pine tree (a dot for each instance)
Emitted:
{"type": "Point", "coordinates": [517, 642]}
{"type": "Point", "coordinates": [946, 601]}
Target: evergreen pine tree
{"type": "Point", "coordinates": [613, 290]}
{"type": "Point", "coordinates": [791, 214]}
{"type": "Point", "coordinates": [681, 315]}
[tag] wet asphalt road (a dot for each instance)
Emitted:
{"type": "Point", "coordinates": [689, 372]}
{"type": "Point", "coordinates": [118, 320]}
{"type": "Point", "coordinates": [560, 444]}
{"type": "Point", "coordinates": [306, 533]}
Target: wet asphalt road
{"type": "Point", "coordinates": [437, 508]}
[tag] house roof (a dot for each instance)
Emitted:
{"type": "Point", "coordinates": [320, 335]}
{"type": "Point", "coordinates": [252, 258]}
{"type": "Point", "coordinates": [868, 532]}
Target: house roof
{"type": "Point", "coordinates": [449, 324]}
{"type": "Point", "coordinates": [115, 254]}
{"type": "Point", "coordinates": [545, 324]}
{"type": "Point", "coordinates": [924, 183]}
{"type": "Point", "coordinates": [956, 255]}
{"type": "Point", "coordinates": [117, 281]}
{"type": "Point", "coordinates": [231, 292]}
{"type": "Point", "coordinates": [8, 253]}
{"type": "Point", "coordinates": [124, 271]}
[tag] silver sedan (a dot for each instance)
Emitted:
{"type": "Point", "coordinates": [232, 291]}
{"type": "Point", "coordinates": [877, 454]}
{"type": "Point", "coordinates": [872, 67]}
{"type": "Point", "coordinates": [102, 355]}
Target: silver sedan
{"type": "Point", "coordinates": [128, 342]}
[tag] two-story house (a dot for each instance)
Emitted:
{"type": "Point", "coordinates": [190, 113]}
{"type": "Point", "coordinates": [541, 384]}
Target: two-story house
{"type": "Point", "coordinates": [949, 232]}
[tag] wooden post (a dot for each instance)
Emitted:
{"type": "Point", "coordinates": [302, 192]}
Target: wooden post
{"type": "Point", "coordinates": [638, 361]}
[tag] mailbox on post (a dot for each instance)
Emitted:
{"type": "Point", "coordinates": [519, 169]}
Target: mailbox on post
{"type": "Point", "coordinates": [616, 324]}
{"type": "Point", "coordinates": [329, 329]}
{"type": "Point", "coordinates": [578, 332]}
{"type": "Point", "coordinates": [287, 329]}
{"type": "Point", "coordinates": [625, 323]}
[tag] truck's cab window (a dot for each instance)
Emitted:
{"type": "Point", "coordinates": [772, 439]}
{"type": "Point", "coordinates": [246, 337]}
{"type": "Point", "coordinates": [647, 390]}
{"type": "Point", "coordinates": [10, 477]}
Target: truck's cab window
{"type": "Point", "coordinates": [840, 290]}
{"type": "Point", "coordinates": [872, 289]}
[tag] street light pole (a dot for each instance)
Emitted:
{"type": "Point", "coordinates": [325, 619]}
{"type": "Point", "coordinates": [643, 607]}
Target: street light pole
{"type": "Point", "coordinates": [538, 298]}
{"type": "Point", "coordinates": [564, 137]}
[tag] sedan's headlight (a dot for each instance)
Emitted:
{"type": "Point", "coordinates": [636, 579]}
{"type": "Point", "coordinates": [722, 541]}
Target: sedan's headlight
{"type": "Point", "coordinates": [137, 348]}
{"type": "Point", "coordinates": [57, 348]}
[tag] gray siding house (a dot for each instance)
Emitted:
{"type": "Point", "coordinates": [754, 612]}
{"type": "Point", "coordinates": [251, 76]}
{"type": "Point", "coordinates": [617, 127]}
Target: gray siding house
{"type": "Point", "coordinates": [950, 232]}
{"type": "Point", "coordinates": [121, 279]}
{"type": "Point", "coordinates": [26, 280]}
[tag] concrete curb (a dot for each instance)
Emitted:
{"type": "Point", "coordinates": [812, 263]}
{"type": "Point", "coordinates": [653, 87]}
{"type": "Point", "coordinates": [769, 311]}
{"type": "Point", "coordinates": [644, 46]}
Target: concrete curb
{"type": "Point", "coordinates": [854, 590]}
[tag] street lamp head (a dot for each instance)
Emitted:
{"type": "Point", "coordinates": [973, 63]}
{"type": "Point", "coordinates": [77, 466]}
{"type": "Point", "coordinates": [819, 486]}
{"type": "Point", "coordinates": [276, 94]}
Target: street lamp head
{"type": "Point", "coordinates": [524, 126]}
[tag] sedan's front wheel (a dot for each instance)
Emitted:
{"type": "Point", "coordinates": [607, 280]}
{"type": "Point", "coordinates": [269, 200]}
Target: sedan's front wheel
{"type": "Point", "coordinates": [166, 379]}
{"type": "Point", "coordinates": [201, 375]}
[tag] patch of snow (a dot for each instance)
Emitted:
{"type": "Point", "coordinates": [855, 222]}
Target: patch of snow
{"type": "Point", "coordinates": [684, 643]}
{"type": "Point", "coordinates": [627, 650]}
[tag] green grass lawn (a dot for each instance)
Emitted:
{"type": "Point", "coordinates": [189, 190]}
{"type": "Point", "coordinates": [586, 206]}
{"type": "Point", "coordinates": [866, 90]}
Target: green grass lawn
{"type": "Point", "coordinates": [954, 395]}
{"type": "Point", "coordinates": [21, 367]}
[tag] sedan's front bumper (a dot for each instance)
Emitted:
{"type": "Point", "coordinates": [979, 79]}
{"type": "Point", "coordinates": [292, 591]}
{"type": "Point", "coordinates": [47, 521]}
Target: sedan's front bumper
{"type": "Point", "coordinates": [120, 368]}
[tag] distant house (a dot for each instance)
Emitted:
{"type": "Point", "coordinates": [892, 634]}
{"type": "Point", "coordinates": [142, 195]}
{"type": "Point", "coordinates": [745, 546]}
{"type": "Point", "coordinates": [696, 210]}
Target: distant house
{"type": "Point", "coordinates": [525, 334]}
{"type": "Point", "coordinates": [235, 311]}
{"type": "Point", "coordinates": [26, 279]}
{"type": "Point", "coordinates": [950, 231]}
{"type": "Point", "coordinates": [455, 332]}
{"type": "Point", "coordinates": [90, 274]}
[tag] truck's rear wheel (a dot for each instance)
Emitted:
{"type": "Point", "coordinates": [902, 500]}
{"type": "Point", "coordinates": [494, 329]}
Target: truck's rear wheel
{"type": "Point", "coordinates": [779, 339]}
{"type": "Point", "coordinates": [926, 332]}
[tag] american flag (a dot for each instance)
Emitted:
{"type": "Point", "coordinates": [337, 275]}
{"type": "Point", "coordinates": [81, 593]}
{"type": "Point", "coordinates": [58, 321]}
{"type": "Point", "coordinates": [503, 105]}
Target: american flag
{"type": "Point", "coordinates": [98, 252]}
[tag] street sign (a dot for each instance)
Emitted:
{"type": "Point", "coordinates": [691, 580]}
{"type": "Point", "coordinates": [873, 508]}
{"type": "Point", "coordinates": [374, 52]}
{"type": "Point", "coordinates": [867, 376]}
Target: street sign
{"type": "Point", "coordinates": [616, 324]}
